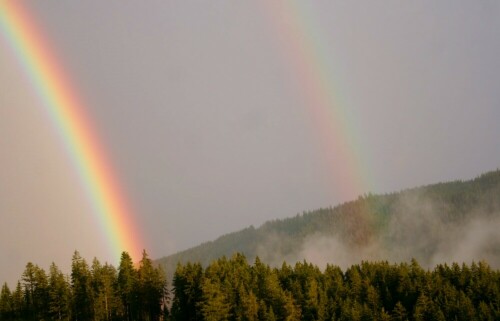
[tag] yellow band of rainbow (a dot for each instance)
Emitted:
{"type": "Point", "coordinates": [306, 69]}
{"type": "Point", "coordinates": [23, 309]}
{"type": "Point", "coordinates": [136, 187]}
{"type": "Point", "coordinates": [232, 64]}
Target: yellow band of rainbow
{"type": "Point", "coordinates": [67, 112]}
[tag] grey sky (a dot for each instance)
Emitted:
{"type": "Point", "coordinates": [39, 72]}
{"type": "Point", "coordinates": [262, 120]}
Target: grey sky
{"type": "Point", "coordinates": [209, 134]}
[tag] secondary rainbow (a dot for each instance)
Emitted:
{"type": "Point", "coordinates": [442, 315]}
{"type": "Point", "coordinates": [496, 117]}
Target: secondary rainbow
{"type": "Point", "coordinates": [303, 45]}
{"type": "Point", "coordinates": [67, 113]}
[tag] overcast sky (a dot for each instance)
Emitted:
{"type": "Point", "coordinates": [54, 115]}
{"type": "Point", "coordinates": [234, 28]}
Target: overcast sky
{"type": "Point", "coordinates": [209, 132]}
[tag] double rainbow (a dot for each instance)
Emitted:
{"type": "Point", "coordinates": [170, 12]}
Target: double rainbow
{"type": "Point", "coordinates": [67, 113]}
{"type": "Point", "coordinates": [302, 44]}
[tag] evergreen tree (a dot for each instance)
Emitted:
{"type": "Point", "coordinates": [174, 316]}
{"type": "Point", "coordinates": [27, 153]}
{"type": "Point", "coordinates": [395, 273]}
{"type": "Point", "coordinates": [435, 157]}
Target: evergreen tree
{"type": "Point", "coordinates": [233, 290]}
{"type": "Point", "coordinates": [29, 285]}
{"type": "Point", "coordinates": [59, 305]}
{"type": "Point", "coordinates": [41, 294]}
{"type": "Point", "coordinates": [106, 302]}
{"type": "Point", "coordinates": [82, 305]}
{"type": "Point", "coordinates": [17, 302]}
{"type": "Point", "coordinates": [152, 289]}
{"type": "Point", "coordinates": [484, 312]}
{"type": "Point", "coordinates": [384, 316]}
{"type": "Point", "coordinates": [187, 286]}
{"type": "Point", "coordinates": [399, 313]}
{"type": "Point", "coordinates": [249, 305]}
{"type": "Point", "coordinates": [293, 311]}
{"type": "Point", "coordinates": [215, 303]}
{"type": "Point", "coordinates": [35, 292]}
{"type": "Point", "coordinates": [466, 310]}
{"type": "Point", "coordinates": [266, 313]}
{"type": "Point", "coordinates": [127, 287]}
{"type": "Point", "coordinates": [5, 303]}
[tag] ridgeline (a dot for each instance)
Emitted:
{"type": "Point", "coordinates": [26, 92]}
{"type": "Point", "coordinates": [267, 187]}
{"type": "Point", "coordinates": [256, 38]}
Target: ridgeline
{"type": "Point", "coordinates": [445, 222]}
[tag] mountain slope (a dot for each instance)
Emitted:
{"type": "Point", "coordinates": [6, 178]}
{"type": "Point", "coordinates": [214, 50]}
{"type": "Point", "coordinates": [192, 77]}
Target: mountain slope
{"type": "Point", "coordinates": [454, 221]}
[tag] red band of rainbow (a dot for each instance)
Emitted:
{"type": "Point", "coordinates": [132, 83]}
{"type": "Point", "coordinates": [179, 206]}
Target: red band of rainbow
{"type": "Point", "coordinates": [302, 43]}
{"type": "Point", "coordinates": [66, 110]}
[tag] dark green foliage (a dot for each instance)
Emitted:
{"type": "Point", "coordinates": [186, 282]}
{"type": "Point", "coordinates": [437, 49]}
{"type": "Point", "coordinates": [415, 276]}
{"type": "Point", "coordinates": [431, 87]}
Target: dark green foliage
{"type": "Point", "coordinates": [82, 305]}
{"type": "Point", "coordinates": [217, 288]}
{"type": "Point", "coordinates": [235, 290]}
{"type": "Point", "coordinates": [151, 290]}
{"type": "Point", "coordinates": [107, 304]}
{"type": "Point", "coordinates": [17, 302]}
{"type": "Point", "coordinates": [36, 292]}
{"type": "Point", "coordinates": [5, 303]}
{"type": "Point", "coordinates": [59, 306]}
{"type": "Point", "coordinates": [357, 223]}
{"type": "Point", "coordinates": [187, 285]}
{"type": "Point", "coordinates": [127, 287]}
{"type": "Point", "coordinates": [143, 291]}
{"type": "Point", "coordinates": [98, 293]}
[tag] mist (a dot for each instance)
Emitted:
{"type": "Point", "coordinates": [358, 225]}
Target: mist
{"type": "Point", "coordinates": [207, 125]}
{"type": "Point", "coordinates": [418, 229]}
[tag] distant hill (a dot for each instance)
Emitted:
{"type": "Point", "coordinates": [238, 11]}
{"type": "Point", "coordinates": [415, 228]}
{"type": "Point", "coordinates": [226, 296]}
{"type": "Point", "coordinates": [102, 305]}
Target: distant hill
{"type": "Point", "coordinates": [453, 221]}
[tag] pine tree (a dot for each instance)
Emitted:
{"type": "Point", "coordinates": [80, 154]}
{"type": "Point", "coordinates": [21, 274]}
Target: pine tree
{"type": "Point", "coordinates": [233, 290]}
{"type": "Point", "coordinates": [187, 284]}
{"type": "Point", "coordinates": [106, 302]}
{"type": "Point", "coordinates": [59, 305]}
{"type": "Point", "coordinates": [384, 316]}
{"type": "Point", "coordinates": [127, 287]}
{"type": "Point", "coordinates": [152, 289]}
{"type": "Point", "coordinates": [249, 306]}
{"type": "Point", "coordinates": [422, 308]}
{"type": "Point", "coordinates": [82, 304]}
{"type": "Point", "coordinates": [484, 312]}
{"type": "Point", "coordinates": [311, 306]}
{"type": "Point", "coordinates": [292, 310]}
{"type": "Point", "coordinates": [399, 312]}
{"type": "Point", "coordinates": [467, 311]}
{"type": "Point", "coordinates": [41, 294]}
{"type": "Point", "coordinates": [5, 303]}
{"type": "Point", "coordinates": [215, 305]}
{"type": "Point", "coordinates": [29, 284]}
{"type": "Point", "coordinates": [35, 292]}
{"type": "Point", "coordinates": [18, 302]}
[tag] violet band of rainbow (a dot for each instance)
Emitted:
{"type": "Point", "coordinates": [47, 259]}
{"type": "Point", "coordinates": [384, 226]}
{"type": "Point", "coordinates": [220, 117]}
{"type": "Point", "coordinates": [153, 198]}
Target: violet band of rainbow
{"type": "Point", "coordinates": [66, 111]}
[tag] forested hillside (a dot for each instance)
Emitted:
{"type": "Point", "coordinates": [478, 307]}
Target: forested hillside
{"type": "Point", "coordinates": [374, 247]}
{"type": "Point", "coordinates": [446, 222]}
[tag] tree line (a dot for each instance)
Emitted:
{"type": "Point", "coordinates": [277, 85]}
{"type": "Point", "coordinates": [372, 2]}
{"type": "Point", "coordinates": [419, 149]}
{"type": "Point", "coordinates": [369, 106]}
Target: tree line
{"type": "Point", "coordinates": [89, 293]}
{"type": "Point", "coordinates": [234, 290]}
{"type": "Point", "coordinates": [384, 219]}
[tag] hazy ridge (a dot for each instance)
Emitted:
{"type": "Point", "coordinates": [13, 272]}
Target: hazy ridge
{"type": "Point", "coordinates": [453, 221]}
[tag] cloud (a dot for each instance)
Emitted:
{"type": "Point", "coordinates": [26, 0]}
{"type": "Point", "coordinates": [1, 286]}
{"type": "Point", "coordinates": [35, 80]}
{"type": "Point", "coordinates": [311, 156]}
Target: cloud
{"type": "Point", "coordinates": [419, 227]}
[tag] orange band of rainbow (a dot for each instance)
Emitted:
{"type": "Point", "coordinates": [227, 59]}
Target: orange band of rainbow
{"type": "Point", "coordinates": [67, 112]}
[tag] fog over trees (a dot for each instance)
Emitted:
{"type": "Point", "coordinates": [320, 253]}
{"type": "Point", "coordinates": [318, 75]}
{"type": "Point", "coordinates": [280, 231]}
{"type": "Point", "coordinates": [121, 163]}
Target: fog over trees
{"type": "Point", "coordinates": [446, 222]}
{"type": "Point", "coordinates": [420, 254]}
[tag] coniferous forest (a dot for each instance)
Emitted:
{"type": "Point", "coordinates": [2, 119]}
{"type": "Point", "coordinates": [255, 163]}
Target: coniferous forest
{"type": "Point", "coordinates": [233, 289]}
{"type": "Point", "coordinates": [207, 286]}
{"type": "Point", "coordinates": [96, 292]}
{"type": "Point", "coordinates": [427, 223]}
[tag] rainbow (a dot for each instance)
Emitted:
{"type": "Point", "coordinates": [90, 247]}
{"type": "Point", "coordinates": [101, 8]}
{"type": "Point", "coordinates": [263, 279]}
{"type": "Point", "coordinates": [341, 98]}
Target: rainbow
{"type": "Point", "coordinates": [302, 43]}
{"type": "Point", "coordinates": [66, 111]}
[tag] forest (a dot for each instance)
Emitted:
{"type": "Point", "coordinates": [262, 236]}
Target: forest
{"type": "Point", "coordinates": [96, 292]}
{"type": "Point", "coordinates": [428, 223]}
{"type": "Point", "coordinates": [415, 227]}
{"type": "Point", "coordinates": [233, 290]}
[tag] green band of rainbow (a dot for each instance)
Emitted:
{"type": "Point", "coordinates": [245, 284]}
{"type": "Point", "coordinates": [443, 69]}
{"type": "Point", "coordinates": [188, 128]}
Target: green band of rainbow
{"type": "Point", "coordinates": [65, 110]}
{"type": "Point", "coordinates": [302, 44]}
